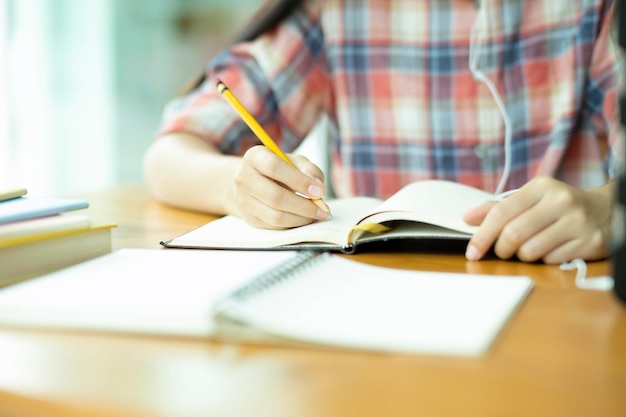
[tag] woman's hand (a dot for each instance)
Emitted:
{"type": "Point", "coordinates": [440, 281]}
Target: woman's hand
{"type": "Point", "coordinates": [545, 220]}
{"type": "Point", "coordinates": [266, 187]}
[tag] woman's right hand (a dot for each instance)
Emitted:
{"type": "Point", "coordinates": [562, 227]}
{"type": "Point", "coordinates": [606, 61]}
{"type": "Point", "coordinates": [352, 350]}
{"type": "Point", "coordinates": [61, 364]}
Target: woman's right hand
{"type": "Point", "coordinates": [266, 187]}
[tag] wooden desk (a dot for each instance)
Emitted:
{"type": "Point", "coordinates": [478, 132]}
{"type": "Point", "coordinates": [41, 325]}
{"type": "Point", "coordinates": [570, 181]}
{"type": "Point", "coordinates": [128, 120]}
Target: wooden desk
{"type": "Point", "coordinates": [563, 354]}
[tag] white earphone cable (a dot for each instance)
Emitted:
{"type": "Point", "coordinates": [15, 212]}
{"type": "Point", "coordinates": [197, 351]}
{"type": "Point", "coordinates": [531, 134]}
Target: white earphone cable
{"type": "Point", "coordinates": [474, 58]}
{"type": "Point", "coordinates": [601, 283]}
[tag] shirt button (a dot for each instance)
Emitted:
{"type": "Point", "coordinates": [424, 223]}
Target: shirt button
{"type": "Point", "coordinates": [480, 151]}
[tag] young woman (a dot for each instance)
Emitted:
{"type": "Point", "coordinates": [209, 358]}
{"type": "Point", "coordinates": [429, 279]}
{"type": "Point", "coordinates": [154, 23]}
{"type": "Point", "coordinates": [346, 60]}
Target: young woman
{"type": "Point", "coordinates": [496, 94]}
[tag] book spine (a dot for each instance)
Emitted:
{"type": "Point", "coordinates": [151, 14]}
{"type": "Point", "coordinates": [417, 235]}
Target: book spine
{"type": "Point", "coordinates": [266, 281]}
{"type": "Point", "coordinates": [348, 249]}
{"type": "Point", "coordinates": [275, 276]}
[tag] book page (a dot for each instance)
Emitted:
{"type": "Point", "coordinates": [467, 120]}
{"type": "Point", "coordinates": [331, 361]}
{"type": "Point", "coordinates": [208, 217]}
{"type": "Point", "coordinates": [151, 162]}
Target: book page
{"type": "Point", "coordinates": [339, 302]}
{"type": "Point", "coordinates": [234, 233]}
{"type": "Point", "coordinates": [437, 202]}
{"type": "Point", "coordinates": [146, 291]}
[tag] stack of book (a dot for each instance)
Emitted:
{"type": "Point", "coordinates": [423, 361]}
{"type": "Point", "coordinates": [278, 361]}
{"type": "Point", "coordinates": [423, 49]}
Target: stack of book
{"type": "Point", "coordinates": [40, 235]}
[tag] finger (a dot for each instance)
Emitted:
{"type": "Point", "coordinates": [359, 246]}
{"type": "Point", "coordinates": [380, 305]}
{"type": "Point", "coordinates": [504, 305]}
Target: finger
{"type": "Point", "coordinates": [307, 167]}
{"type": "Point", "coordinates": [574, 248]}
{"type": "Point", "coordinates": [546, 245]}
{"type": "Point", "coordinates": [266, 217]}
{"type": "Point", "coordinates": [560, 242]}
{"type": "Point", "coordinates": [260, 163]}
{"type": "Point", "coordinates": [496, 218]}
{"type": "Point", "coordinates": [520, 231]}
{"type": "Point", "coordinates": [476, 215]}
{"type": "Point", "coordinates": [272, 166]}
{"type": "Point", "coordinates": [268, 204]}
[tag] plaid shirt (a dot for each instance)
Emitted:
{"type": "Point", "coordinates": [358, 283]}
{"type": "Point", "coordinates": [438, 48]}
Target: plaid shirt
{"type": "Point", "coordinates": [394, 80]}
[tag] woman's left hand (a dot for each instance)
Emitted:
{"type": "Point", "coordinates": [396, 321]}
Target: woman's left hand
{"type": "Point", "coordinates": [545, 220]}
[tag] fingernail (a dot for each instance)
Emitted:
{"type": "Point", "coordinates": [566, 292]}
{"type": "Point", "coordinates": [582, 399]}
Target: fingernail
{"type": "Point", "coordinates": [472, 253]}
{"type": "Point", "coordinates": [315, 191]}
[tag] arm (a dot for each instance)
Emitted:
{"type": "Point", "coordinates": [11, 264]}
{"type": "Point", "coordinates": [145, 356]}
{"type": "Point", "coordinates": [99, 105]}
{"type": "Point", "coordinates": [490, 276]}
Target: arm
{"type": "Point", "coordinates": [179, 169]}
{"type": "Point", "coordinates": [206, 158]}
{"type": "Point", "coordinates": [184, 171]}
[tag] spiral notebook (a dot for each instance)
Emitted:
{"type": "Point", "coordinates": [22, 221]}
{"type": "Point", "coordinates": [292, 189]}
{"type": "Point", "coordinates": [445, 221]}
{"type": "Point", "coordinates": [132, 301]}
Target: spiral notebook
{"type": "Point", "coordinates": [291, 298]}
{"type": "Point", "coordinates": [327, 300]}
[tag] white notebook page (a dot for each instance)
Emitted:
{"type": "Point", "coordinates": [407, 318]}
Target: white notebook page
{"type": "Point", "coordinates": [346, 303]}
{"type": "Point", "coordinates": [159, 291]}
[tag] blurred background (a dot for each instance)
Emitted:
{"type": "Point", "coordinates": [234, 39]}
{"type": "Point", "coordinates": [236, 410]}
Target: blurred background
{"type": "Point", "coordinates": [83, 83]}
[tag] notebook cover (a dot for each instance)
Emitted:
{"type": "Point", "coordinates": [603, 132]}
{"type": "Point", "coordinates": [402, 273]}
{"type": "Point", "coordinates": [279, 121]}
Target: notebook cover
{"type": "Point", "coordinates": [24, 208]}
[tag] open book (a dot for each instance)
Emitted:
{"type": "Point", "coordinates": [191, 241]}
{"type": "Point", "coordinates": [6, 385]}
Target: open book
{"type": "Point", "coordinates": [303, 299]}
{"type": "Point", "coordinates": [429, 209]}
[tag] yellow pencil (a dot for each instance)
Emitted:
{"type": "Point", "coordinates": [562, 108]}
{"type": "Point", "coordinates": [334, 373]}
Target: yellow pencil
{"type": "Point", "coordinates": [259, 132]}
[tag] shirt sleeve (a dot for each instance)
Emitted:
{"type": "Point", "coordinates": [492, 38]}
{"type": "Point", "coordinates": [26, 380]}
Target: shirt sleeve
{"type": "Point", "coordinates": [281, 78]}
{"type": "Point", "coordinates": [603, 89]}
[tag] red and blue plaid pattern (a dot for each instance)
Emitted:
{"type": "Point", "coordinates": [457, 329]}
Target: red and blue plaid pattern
{"type": "Point", "coordinates": [393, 78]}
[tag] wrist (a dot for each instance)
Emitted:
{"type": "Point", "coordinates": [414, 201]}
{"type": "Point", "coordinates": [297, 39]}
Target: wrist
{"type": "Point", "coordinates": [603, 202]}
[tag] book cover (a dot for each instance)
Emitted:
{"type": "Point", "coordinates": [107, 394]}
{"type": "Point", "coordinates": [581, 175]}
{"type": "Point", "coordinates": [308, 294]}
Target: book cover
{"type": "Point", "coordinates": [23, 208]}
{"type": "Point", "coordinates": [40, 225]}
{"type": "Point", "coordinates": [24, 257]}
{"type": "Point", "coordinates": [11, 193]}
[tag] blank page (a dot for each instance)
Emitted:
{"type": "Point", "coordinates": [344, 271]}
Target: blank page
{"type": "Point", "coordinates": [135, 290]}
{"type": "Point", "coordinates": [341, 302]}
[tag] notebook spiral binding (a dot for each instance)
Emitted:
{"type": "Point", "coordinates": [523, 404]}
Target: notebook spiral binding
{"type": "Point", "coordinates": [278, 275]}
